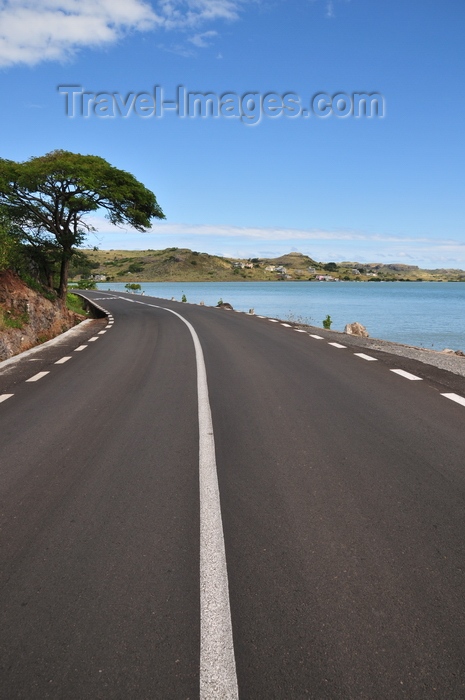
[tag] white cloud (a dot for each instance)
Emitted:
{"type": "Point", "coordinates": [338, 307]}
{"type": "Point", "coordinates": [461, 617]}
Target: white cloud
{"type": "Point", "coordinates": [320, 244]}
{"type": "Point", "coordinates": [31, 31]}
{"type": "Point", "coordinates": [203, 40]}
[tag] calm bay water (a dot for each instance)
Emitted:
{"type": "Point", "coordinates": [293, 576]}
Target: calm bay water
{"type": "Point", "coordinates": [426, 314]}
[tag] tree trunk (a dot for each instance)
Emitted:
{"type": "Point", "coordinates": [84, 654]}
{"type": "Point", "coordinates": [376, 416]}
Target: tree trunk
{"type": "Point", "coordinates": [64, 270]}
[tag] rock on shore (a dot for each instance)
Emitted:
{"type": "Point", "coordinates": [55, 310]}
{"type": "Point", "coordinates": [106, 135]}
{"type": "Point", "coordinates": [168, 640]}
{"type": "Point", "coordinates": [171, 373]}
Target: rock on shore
{"type": "Point", "coordinates": [356, 329]}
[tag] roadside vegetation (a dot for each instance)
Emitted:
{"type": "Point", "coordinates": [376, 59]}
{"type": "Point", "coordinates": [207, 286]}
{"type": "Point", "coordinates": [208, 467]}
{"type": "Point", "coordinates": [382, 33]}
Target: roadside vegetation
{"type": "Point", "coordinates": [76, 304]}
{"type": "Point", "coordinates": [44, 205]}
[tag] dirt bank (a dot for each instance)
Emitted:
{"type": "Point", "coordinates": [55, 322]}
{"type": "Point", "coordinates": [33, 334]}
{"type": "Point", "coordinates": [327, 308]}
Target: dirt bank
{"type": "Point", "coordinates": [27, 318]}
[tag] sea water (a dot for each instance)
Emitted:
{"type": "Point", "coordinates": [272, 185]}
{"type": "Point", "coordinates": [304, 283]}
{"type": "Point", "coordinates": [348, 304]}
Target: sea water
{"type": "Point", "coordinates": [425, 314]}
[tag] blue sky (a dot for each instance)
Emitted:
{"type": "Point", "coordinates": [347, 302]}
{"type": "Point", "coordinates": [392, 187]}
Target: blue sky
{"type": "Point", "coordinates": [387, 189]}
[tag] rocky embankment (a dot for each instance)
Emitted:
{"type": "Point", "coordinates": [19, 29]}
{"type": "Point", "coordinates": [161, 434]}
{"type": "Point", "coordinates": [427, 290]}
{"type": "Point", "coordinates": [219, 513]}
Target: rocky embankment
{"type": "Point", "coordinates": [27, 318]}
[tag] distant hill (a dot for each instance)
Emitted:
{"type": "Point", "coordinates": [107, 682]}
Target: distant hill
{"type": "Point", "coordinates": [185, 265]}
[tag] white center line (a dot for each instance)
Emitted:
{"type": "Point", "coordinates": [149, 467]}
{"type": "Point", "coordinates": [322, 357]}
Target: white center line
{"type": "Point", "coordinates": [217, 662]}
{"type": "Point", "coordinates": [81, 347]}
{"type": "Point", "coordinates": [317, 337]}
{"type": "Point", "coordinates": [337, 345]}
{"type": "Point", "coordinates": [407, 375]}
{"type": "Point", "coordinates": [365, 357]}
{"type": "Point", "coordinates": [38, 376]}
{"type": "Point", "coordinates": [63, 360]}
{"type": "Point", "coordinates": [456, 398]}
{"type": "Point", "coordinates": [4, 397]}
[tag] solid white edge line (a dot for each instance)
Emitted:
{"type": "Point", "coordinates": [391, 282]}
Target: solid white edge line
{"type": "Point", "coordinates": [456, 398]}
{"type": "Point", "coordinates": [38, 376]}
{"type": "Point", "coordinates": [337, 345]}
{"type": "Point", "coordinates": [218, 677]}
{"type": "Point", "coordinates": [63, 360]}
{"type": "Point", "coordinates": [365, 357]}
{"type": "Point", "coordinates": [406, 375]}
{"type": "Point", "coordinates": [4, 397]}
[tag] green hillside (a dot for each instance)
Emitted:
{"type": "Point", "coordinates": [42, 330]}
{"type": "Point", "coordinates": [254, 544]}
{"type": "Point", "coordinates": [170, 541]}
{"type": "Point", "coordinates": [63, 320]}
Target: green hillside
{"type": "Point", "coordinates": [184, 265]}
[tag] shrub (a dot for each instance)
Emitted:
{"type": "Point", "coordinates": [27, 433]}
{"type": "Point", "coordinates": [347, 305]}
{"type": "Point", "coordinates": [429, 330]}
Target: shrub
{"type": "Point", "coordinates": [327, 322]}
{"type": "Point", "coordinates": [86, 284]}
{"type": "Point", "coordinates": [134, 267]}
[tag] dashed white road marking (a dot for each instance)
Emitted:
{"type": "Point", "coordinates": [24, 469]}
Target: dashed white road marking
{"type": "Point", "coordinates": [38, 376]}
{"type": "Point", "coordinates": [101, 332]}
{"type": "Point", "coordinates": [92, 340]}
{"type": "Point", "coordinates": [369, 358]}
{"type": "Point", "coordinates": [317, 337]}
{"type": "Point", "coordinates": [456, 398]}
{"type": "Point", "coordinates": [261, 316]}
{"type": "Point", "coordinates": [299, 330]}
{"type": "Point", "coordinates": [4, 397]}
{"type": "Point", "coordinates": [81, 347]}
{"type": "Point", "coordinates": [63, 360]}
{"type": "Point", "coordinates": [337, 345]}
{"type": "Point", "coordinates": [273, 320]}
{"type": "Point", "coordinates": [288, 325]}
{"type": "Point", "coordinates": [407, 375]}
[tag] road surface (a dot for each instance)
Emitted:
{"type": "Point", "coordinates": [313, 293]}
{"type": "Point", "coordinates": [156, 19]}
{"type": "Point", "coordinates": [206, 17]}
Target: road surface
{"type": "Point", "coordinates": [322, 555]}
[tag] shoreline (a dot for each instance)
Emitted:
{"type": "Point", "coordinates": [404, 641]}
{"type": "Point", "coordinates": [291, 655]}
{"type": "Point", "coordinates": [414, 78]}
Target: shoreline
{"type": "Point", "coordinates": [450, 362]}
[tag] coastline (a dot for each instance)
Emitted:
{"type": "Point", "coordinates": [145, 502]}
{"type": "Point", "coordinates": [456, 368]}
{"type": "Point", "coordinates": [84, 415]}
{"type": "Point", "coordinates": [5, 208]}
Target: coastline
{"type": "Point", "coordinates": [450, 362]}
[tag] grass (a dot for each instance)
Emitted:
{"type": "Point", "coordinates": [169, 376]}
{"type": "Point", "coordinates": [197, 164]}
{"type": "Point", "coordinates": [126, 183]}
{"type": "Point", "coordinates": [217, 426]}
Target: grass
{"type": "Point", "coordinates": [76, 304]}
{"type": "Point", "coordinates": [11, 319]}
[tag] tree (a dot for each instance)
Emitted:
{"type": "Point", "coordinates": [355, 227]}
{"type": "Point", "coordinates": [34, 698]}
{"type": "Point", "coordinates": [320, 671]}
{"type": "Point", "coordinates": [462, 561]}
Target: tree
{"type": "Point", "coordinates": [9, 242]}
{"type": "Point", "coordinates": [48, 197]}
{"type": "Point", "coordinates": [330, 267]}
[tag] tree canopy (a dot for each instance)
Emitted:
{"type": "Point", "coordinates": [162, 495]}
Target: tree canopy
{"type": "Point", "coordinates": [50, 196]}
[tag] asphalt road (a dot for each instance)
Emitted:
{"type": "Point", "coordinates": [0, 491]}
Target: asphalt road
{"type": "Point", "coordinates": [342, 496]}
